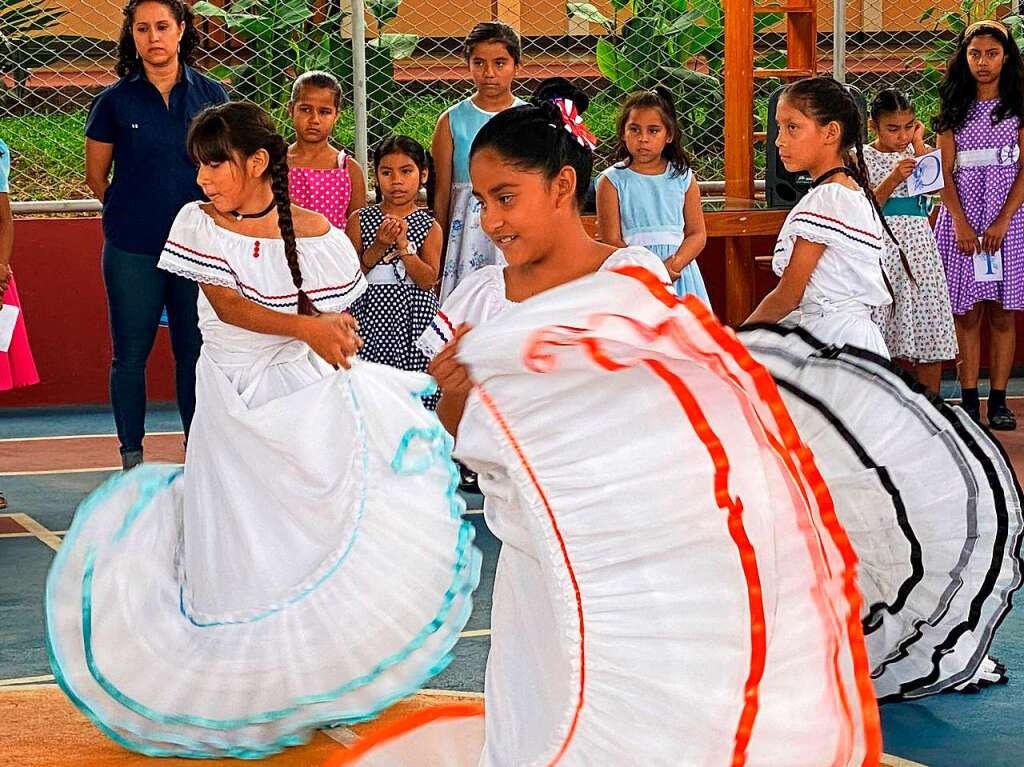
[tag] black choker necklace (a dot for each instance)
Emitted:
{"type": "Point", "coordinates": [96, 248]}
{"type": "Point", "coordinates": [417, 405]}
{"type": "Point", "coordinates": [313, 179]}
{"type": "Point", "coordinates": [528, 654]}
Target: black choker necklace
{"type": "Point", "coordinates": [830, 173]}
{"type": "Point", "coordinates": [239, 216]}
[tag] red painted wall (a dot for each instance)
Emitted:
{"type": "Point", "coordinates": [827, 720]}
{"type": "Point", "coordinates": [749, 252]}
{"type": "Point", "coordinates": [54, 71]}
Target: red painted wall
{"type": "Point", "coordinates": [57, 265]}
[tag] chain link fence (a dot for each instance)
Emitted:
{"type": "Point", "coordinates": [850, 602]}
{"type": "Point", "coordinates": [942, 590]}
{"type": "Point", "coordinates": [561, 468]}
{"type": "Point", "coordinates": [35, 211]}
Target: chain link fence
{"type": "Point", "coordinates": [57, 54]}
{"type": "Point", "coordinates": [904, 44]}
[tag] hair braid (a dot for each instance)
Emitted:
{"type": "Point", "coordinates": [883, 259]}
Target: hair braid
{"type": "Point", "coordinates": [278, 150]}
{"type": "Point", "coordinates": [860, 175]}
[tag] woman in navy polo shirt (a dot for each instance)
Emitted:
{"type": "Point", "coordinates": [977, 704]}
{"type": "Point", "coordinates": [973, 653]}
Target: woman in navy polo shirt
{"type": "Point", "coordinates": [138, 126]}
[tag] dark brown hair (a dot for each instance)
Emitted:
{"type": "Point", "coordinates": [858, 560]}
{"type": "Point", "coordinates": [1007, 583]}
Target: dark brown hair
{"type": "Point", "coordinates": [316, 79]}
{"type": "Point", "coordinates": [237, 130]}
{"type": "Point", "coordinates": [493, 32]}
{"type": "Point", "coordinates": [824, 100]}
{"type": "Point", "coordinates": [660, 98]}
{"type": "Point", "coordinates": [412, 149]}
{"type": "Point", "coordinates": [128, 55]}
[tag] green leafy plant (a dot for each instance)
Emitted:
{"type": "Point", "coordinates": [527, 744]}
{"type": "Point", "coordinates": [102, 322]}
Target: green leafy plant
{"type": "Point", "coordinates": [384, 107]}
{"type": "Point", "coordinates": [953, 23]}
{"type": "Point", "coordinates": [675, 43]}
{"type": "Point", "coordinates": [281, 39]}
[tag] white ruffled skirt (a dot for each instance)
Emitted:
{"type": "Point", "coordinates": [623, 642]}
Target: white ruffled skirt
{"type": "Point", "coordinates": [717, 626]}
{"type": "Point", "coordinates": [308, 568]}
{"type": "Point", "coordinates": [928, 499]}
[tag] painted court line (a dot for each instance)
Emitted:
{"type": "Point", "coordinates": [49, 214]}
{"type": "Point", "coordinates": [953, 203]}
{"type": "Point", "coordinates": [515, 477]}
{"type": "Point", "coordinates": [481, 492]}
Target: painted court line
{"type": "Point", "coordinates": [90, 436]}
{"type": "Point", "coordinates": [57, 471]}
{"type": "Point", "coordinates": [26, 680]}
{"type": "Point", "coordinates": [47, 536]}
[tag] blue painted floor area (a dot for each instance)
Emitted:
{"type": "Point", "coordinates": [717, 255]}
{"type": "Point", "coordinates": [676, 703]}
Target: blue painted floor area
{"type": "Point", "coordinates": [955, 730]}
{"type": "Point", "coordinates": [950, 730]}
{"type": "Point", "coordinates": [18, 423]}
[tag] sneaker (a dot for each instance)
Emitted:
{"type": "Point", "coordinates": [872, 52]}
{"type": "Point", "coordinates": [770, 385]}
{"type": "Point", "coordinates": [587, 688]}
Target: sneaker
{"type": "Point", "coordinates": [130, 459]}
{"type": "Point", "coordinates": [1001, 419]}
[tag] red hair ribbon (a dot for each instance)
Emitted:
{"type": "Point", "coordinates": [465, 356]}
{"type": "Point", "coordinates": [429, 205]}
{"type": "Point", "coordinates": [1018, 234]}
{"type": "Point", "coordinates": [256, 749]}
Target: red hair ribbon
{"type": "Point", "coordinates": [573, 123]}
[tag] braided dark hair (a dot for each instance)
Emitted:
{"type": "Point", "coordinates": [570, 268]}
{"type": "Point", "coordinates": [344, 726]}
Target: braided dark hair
{"type": "Point", "coordinates": [128, 54]}
{"type": "Point", "coordinates": [412, 149]}
{"type": "Point", "coordinates": [533, 136]}
{"type": "Point", "coordinates": [958, 89]}
{"type": "Point", "coordinates": [234, 131]}
{"type": "Point", "coordinates": [890, 101]}
{"type": "Point", "coordinates": [824, 100]}
{"type": "Point", "coordinates": [661, 99]}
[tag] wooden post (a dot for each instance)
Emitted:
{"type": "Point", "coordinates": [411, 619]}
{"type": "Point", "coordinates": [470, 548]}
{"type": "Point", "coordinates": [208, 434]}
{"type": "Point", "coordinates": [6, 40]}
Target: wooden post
{"type": "Point", "coordinates": [739, 150]}
{"type": "Point", "coordinates": [738, 74]}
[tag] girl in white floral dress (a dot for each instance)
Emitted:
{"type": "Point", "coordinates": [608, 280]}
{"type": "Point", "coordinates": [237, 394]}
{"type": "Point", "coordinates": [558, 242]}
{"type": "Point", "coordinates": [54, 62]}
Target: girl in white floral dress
{"type": "Point", "coordinates": [919, 327]}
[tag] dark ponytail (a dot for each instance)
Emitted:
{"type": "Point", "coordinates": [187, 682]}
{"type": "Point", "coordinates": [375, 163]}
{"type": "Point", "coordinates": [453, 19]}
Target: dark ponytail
{"type": "Point", "coordinates": [412, 149]}
{"type": "Point", "coordinates": [533, 137]}
{"type": "Point", "coordinates": [825, 100]}
{"type": "Point", "coordinates": [237, 130]}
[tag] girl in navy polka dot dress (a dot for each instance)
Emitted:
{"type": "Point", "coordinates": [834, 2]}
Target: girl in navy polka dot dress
{"type": "Point", "coordinates": [399, 245]}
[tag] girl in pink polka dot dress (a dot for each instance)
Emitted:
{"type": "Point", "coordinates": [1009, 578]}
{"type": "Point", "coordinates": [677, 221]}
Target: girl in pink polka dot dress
{"type": "Point", "coordinates": [980, 129]}
{"type": "Point", "coordinates": [321, 177]}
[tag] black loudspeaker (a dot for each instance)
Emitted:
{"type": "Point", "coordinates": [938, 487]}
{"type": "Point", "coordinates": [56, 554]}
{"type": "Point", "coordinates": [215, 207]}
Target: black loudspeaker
{"type": "Point", "coordinates": [784, 189]}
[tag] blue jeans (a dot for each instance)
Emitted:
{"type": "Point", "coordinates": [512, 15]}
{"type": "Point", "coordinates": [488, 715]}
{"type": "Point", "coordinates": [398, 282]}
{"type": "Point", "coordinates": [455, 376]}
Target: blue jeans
{"type": "Point", "coordinates": [137, 293]}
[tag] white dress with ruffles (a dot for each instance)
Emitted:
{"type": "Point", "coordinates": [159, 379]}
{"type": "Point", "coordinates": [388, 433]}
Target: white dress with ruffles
{"type": "Point", "coordinates": [928, 498]}
{"type": "Point", "coordinates": [847, 284]}
{"type": "Point", "coordinates": [632, 623]}
{"type": "Point", "coordinates": [230, 609]}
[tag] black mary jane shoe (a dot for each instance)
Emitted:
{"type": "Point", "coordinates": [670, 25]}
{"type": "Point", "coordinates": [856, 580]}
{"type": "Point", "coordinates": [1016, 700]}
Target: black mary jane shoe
{"type": "Point", "coordinates": [468, 482]}
{"type": "Point", "coordinates": [1001, 419]}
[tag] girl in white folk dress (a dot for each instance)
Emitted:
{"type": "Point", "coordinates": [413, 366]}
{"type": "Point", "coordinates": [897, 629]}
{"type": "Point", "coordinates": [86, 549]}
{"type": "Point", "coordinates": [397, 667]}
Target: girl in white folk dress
{"type": "Point", "coordinates": [931, 505]}
{"type": "Point", "coordinates": [231, 609]}
{"type": "Point", "coordinates": [626, 633]}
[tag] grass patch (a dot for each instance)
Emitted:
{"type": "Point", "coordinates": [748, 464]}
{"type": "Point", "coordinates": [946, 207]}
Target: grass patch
{"type": "Point", "coordinates": [48, 150]}
{"type": "Point", "coordinates": [47, 156]}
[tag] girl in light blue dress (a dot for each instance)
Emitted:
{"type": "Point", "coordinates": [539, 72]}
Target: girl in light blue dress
{"type": "Point", "coordinates": [492, 52]}
{"type": "Point", "coordinates": [651, 197]}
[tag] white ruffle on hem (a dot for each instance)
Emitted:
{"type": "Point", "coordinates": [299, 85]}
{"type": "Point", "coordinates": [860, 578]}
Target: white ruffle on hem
{"type": "Point", "coordinates": [703, 627]}
{"type": "Point", "coordinates": [927, 497]}
{"type": "Point", "coordinates": [371, 626]}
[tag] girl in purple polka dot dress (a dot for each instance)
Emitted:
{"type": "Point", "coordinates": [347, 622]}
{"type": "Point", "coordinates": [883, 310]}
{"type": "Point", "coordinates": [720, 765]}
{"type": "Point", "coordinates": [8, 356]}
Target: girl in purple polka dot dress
{"type": "Point", "coordinates": [321, 176]}
{"type": "Point", "coordinates": [980, 129]}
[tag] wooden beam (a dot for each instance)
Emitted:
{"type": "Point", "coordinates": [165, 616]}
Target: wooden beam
{"type": "Point", "coordinates": [739, 98]}
{"type": "Point", "coordinates": [739, 280]}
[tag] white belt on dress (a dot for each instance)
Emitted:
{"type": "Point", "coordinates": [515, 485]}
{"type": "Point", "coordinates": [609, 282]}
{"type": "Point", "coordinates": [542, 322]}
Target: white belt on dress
{"type": "Point", "coordinates": [981, 158]}
{"type": "Point", "coordinates": [851, 308]}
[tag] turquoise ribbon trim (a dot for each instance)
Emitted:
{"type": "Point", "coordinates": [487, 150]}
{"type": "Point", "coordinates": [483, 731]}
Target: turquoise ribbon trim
{"type": "Point", "coordinates": [148, 491]}
{"type": "Point", "coordinates": [439, 445]}
{"type": "Point", "coordinates": [463, 563]}
{"type": "Point", "coordinates": [427, 391]}
{"type": "Point", "coordinates": [906, 206]}
{"type": "Point", "coordinates": [465, 580]}
{"type": "Point", "coordinates": [364, 450]}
